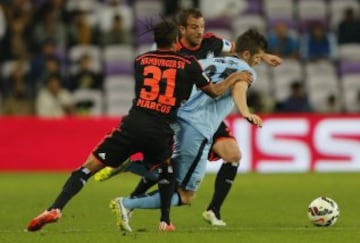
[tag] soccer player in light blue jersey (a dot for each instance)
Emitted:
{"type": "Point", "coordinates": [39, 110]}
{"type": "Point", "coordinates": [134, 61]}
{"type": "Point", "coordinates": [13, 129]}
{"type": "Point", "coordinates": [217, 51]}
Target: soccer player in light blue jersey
{"type": "Point", "coordinates": [199, 118]}
{"type": "Point", "coordinates": [196, 42]}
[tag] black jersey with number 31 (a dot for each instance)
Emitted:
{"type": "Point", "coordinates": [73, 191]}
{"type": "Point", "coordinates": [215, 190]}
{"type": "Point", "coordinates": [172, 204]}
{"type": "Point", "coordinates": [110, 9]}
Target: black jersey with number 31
{"type": "Point", "coordinates": [163, 81]}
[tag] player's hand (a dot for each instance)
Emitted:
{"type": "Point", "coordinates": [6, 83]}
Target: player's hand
{"type": "Point", "coordinates": [254, 119]}
{"type": "Point", "coordinates": [243, 76]}
{"type": "Point", "coordinates": [272, 60]}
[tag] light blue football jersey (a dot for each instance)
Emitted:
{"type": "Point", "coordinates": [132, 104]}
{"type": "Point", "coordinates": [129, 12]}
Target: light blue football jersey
{"type": "Point", "coordinates": [203, 112]}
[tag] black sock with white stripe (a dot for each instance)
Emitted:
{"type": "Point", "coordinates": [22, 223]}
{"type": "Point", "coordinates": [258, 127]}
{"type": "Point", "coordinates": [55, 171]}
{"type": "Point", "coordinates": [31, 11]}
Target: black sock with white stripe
{"type": "Point", "coordinates": [166, 185]}
{"type": "Point", "coordinates": [223, 183]}
{"type": "Point", "coordinates": [73, 185]}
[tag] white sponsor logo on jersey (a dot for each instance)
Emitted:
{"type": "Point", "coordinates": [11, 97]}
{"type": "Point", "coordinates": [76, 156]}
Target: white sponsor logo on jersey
{"type": "Point", "coordinates": [102, 155]}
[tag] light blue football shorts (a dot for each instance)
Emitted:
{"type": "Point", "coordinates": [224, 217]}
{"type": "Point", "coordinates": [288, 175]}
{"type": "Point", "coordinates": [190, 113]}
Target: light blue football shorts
{"type": "Point", "coordinates": [190, 156]}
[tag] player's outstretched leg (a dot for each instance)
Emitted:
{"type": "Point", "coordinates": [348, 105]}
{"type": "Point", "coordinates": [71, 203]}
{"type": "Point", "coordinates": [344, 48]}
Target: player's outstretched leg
{"type": "Point", "coordinates": [76, 181]}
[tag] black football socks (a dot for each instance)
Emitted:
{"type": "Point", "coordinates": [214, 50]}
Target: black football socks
{"type": "Point", "coordinates": [143, 185]}
{"type": "Point", "coordinates": [223, 183]}
{"type": "Point", "coordinates": [73, 185]}
{"type": "Point", "coordinates": [166, 186]}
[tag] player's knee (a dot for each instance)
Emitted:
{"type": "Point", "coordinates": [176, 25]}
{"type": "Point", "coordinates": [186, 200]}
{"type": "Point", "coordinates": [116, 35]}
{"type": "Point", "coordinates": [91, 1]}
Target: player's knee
{"type": "Point", "coordinates": [92, 164]}
{"type": "Point", "coordinates": [232, 155]}
{"type": "Point", "coordinates": [228, 150]}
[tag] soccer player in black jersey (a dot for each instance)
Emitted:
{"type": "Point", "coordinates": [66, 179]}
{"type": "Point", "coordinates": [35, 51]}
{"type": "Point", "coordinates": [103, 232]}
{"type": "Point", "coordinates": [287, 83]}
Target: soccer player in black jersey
{"type": "Point", "coordinates": [194, 41]}
{"type": "Point", "coordinates": [163, 81]}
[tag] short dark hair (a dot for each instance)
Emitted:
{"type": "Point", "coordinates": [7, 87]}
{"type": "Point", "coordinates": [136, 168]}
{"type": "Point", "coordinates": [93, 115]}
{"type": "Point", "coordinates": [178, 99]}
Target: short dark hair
{"type": "Point", "coordinates": [183, 15]}
{"type": "Point", "coordinates": [251, 40]}
{"type": "Point", "coordinates": [165, 34]}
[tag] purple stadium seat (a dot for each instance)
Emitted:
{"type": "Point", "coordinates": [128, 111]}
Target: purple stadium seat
{"type": "Point", "coordinates": [218, 23]}
{"type": "Point", "coordinates": [311, 9]}
{"type": "Point", "coordinates": [349, 67]}
{"type": "Point", "coordinates": [243, 22]}
{"type": "Point", "coordinates": [254, 7]}
{"type": "Point", "coordinates": [115, 68]}
{"type": "Point", "coordinates": [144, 39]}
{"type": "Point", "coordinates": [278, 8]}
{"type": "Point", "coordinates": [143, 32]}
{"type": "Point", "coordinates": [291, 23]}
{"type": "Point", "coordinates": [144, 8]}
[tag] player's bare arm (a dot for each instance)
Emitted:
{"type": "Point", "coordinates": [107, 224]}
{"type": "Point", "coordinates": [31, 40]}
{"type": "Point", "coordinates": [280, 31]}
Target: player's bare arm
{"type": "Point", "coordinates": [239, 96]}
{"type": "Point", "coordinates": [271, 59]}
{"type": "Point", "coordinates": [215, 90]}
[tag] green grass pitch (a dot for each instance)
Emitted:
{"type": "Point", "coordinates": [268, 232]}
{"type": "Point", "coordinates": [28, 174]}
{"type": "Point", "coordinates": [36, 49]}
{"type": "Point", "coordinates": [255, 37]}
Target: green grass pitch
{"type": "Point", "coordinates": [260, 208]}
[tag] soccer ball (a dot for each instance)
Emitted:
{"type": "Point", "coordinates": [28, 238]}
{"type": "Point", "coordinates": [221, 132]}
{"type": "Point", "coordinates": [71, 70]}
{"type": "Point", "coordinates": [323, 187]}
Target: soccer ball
{"type": "Point", "coordinates": [323, 211]}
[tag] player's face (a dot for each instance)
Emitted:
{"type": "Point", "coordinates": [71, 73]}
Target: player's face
{"type": "Point", "coordinates": [255, 59]}
{"type": "Point", "coordinates": [193, 33]}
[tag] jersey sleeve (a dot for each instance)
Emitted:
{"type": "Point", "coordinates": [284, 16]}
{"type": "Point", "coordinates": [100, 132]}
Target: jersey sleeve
{"type": "Point", "coordinates": [227, 46]}
{"type": "Point", "coordinates": [218, 44]}
{"type": "Point", "coordinates": [198, 75]}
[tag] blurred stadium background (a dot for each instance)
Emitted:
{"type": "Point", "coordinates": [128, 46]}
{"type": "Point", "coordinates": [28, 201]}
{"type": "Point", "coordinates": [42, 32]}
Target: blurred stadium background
{"type": "Point", "coordinates": [84, 49]}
